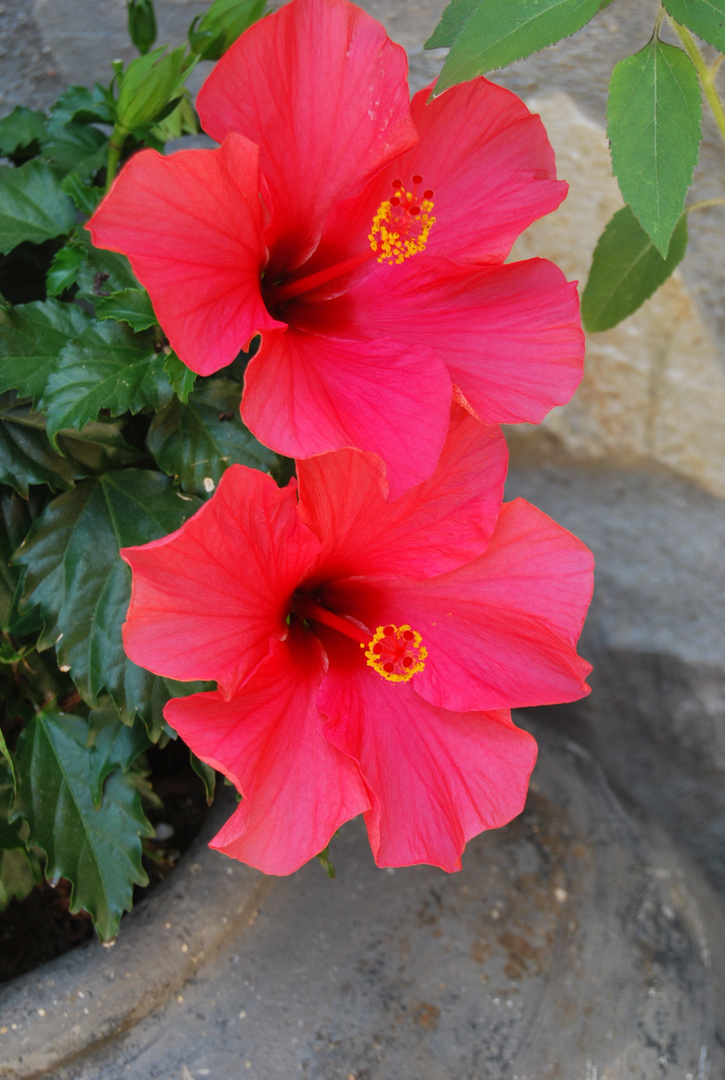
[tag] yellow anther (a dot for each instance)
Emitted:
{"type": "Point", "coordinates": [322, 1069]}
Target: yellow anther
{"type": "Point", "coordinates": [401, 227]}
{"type": "Point", "coordinates": [396, 653]}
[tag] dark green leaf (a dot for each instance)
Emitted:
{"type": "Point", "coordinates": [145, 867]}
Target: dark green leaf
{"type": "Point", "coordinates": [97, 448]}
{"type": "Point", "coordinates": [112, 744]}
{"type": "Point", "coordinates": [80, 105]}
{"type": "Point", "coordinates": [706, 18]}
{"type": "Point", "coordinates": [19, 869]}
{"type": "Point", "coordinates": [31, 339]}
{"type": "Point", "coordinates": [206, 774]}
{"type": "Point", "coordinates": [5, 754]}
{"type": "Point", "coordinates": [132, 306]}
{"type": "Point", "coordinates": [32, 205]}
{"type": "Point", "coordinates": [626, 270]}
{"type": "Point", "coordinates": [77, 148]}
{"type": "Point", "coordinates": [19, 874]}
{"type": "Point", "coordinates": [98, 850]}
{"type": "Point", "coordinates": [26, 456]}
{"type": "Point", "coordinates": [488, 34]}
{"type": "Point", "coordinates": [75, 573]}
{"type": "Point", "coordinates": [654, 114]}
{"type": "Point", "coordinates": [108, 367]}
{"type": "Point", "coordinates": [195, 443]}
{"type": "Point", "coordinates": [85, 197]}
{"type": "Point", "coordinates": [181, 377]}
{"type": "Point", "coordinates": [20, 130]}
{"type": "Point", "coordinates": [103, 273]}
{"type": "Point", "coordinates": [63, 271]}
{"type": "Point", "coordinates": [15, 521]}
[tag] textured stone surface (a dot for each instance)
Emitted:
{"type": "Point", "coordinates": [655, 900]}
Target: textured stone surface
{"type": "Point", "coordinates": [574, 944]}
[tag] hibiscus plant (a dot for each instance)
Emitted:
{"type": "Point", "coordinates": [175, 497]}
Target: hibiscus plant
{"type": "Point", "coordinates": [251, 399]}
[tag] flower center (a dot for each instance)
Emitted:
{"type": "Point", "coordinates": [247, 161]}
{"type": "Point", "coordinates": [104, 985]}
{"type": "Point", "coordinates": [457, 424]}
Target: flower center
{"type": "Point", "coordinates": [403, 222]}
{"type": "Point", "coordinates": [396, 653]}
{"type": "Point", "coordinates": [400, 229]}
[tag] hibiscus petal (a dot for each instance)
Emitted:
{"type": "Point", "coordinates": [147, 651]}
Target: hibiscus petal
{"type": "Point", "coordinates": [306, 395]}
{"type": "Point", "coordinates": [490, 165]}
{"type": "Point", "coordinates": [438, 777]}
{"type": "Point", "coordinates": [191, 224]}
{"type": "Point", "coordinates": [208, 600]}
{"type": "Point", "coordinates": [323, 91]}
{"type": "Point", "coordinates": [488, 162]}
{"type": "Point", "coordinates": [298, 788]}
{"type": "Point", "coordinates": [500, 632]}
{"type": "Point", "coordinates": [510, 335]}
{"type": "Point", "coordinates": [436, 526]}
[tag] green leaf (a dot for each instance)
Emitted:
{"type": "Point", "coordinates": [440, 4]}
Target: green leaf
{"type": "Point", "coordinates": [706, 18]}
{"type": "Point", "coordinates": [180, 376]}
{"type": "Point", "coordinates": [5, 753]}
{"type": "Point", "coordinates": [103, 273]}
{"type": "Point", "coordinates": [98, 850]}
{"type": "Point", "coordinates": [488, 34]}
{"type": "Point", "coordinates": [63, 271]}
{"type": "Point", "coordinates": [108, 367]}
{"type": "Point", "coordinates": [15, 521]}
{"type": "Point", "coordinates": [76, 575]}
{"type": "Point", "coordinates": [626, 270]}
{"type": "Point", "coordinates": [85, 197]}
{"type": "Point", "coordinates": [77, 148]}
{"type": "Point", "coordinates": [206, 774]}
{"type": "Point", "coordinates": [26, 456]}
{"type": "Point", "coordinates": [20, 130]}
{"type": "Point", "coordinates": [112, 744]}
{"type": "Point", "coordinates": [81, 105]}
{"type": "Point", "coordinates": [132, 306]}
{"type": "Point", "coordinates": [19, 874]}
{"type": "Point", "coordinates": [195, 443]}
{"type": "Point", "coordinates": [32, 205]}
{"type": "Point", "coordinates": [654, 114]}
{"type": "Point", "coordinates": [19, 869]}
{"type": "Point", "coordinates": [31, 339]}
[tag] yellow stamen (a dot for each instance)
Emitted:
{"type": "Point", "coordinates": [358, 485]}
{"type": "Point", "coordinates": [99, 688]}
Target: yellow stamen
{"type": "Point", "coordinates": [396, 232]}
{"type": "Point", "coordinates": [396, 653]}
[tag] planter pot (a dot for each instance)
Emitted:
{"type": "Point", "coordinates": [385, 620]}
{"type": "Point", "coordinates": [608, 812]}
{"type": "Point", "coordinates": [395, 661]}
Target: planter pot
{"type": "Point", "coordinates": [576, 943]}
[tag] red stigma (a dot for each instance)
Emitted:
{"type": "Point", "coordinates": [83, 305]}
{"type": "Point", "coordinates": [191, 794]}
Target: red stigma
{"type": "Point", "coordinates": [417, 179]}
{"type": "Point", "coordinates": [397, 183]}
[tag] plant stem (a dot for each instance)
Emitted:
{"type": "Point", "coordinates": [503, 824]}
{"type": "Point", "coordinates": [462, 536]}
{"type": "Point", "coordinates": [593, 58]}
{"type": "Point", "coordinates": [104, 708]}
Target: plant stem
{"type": "Point", "coordinates": [115, 146]}
{"type": "Point", "coordinates": [706, 74]}
{"type": "Point", "coordinates": [704, 203]}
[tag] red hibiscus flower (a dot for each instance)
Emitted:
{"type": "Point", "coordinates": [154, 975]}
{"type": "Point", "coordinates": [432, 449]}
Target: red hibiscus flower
{"type": "Point", "coordinates": [367, 650]}
{"type": "Point", "coordinates": [364, 238]}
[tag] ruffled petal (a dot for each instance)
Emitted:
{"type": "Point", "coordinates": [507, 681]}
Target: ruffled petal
{"type": "Point", "coordinates": [208, 600]}
{"type": "Point", "coordinates": [510, 335]}
{"type": "Point", "coordinates": [298, 788]}
{"type": "Point", "coordinates": [191, 225]}
{"type": "Point", "coordinates": [488, 162]}
{"type": "Point", "coordinates": [500, 632]}
{"type": "Point", "coordinates": [438, 778]}
{"type": "Point", "coordinates": [323, 91]}
{"type": "Point", "coordinates": [306, 394]}
{"type": "Point", "coordinates": [436, 526]}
